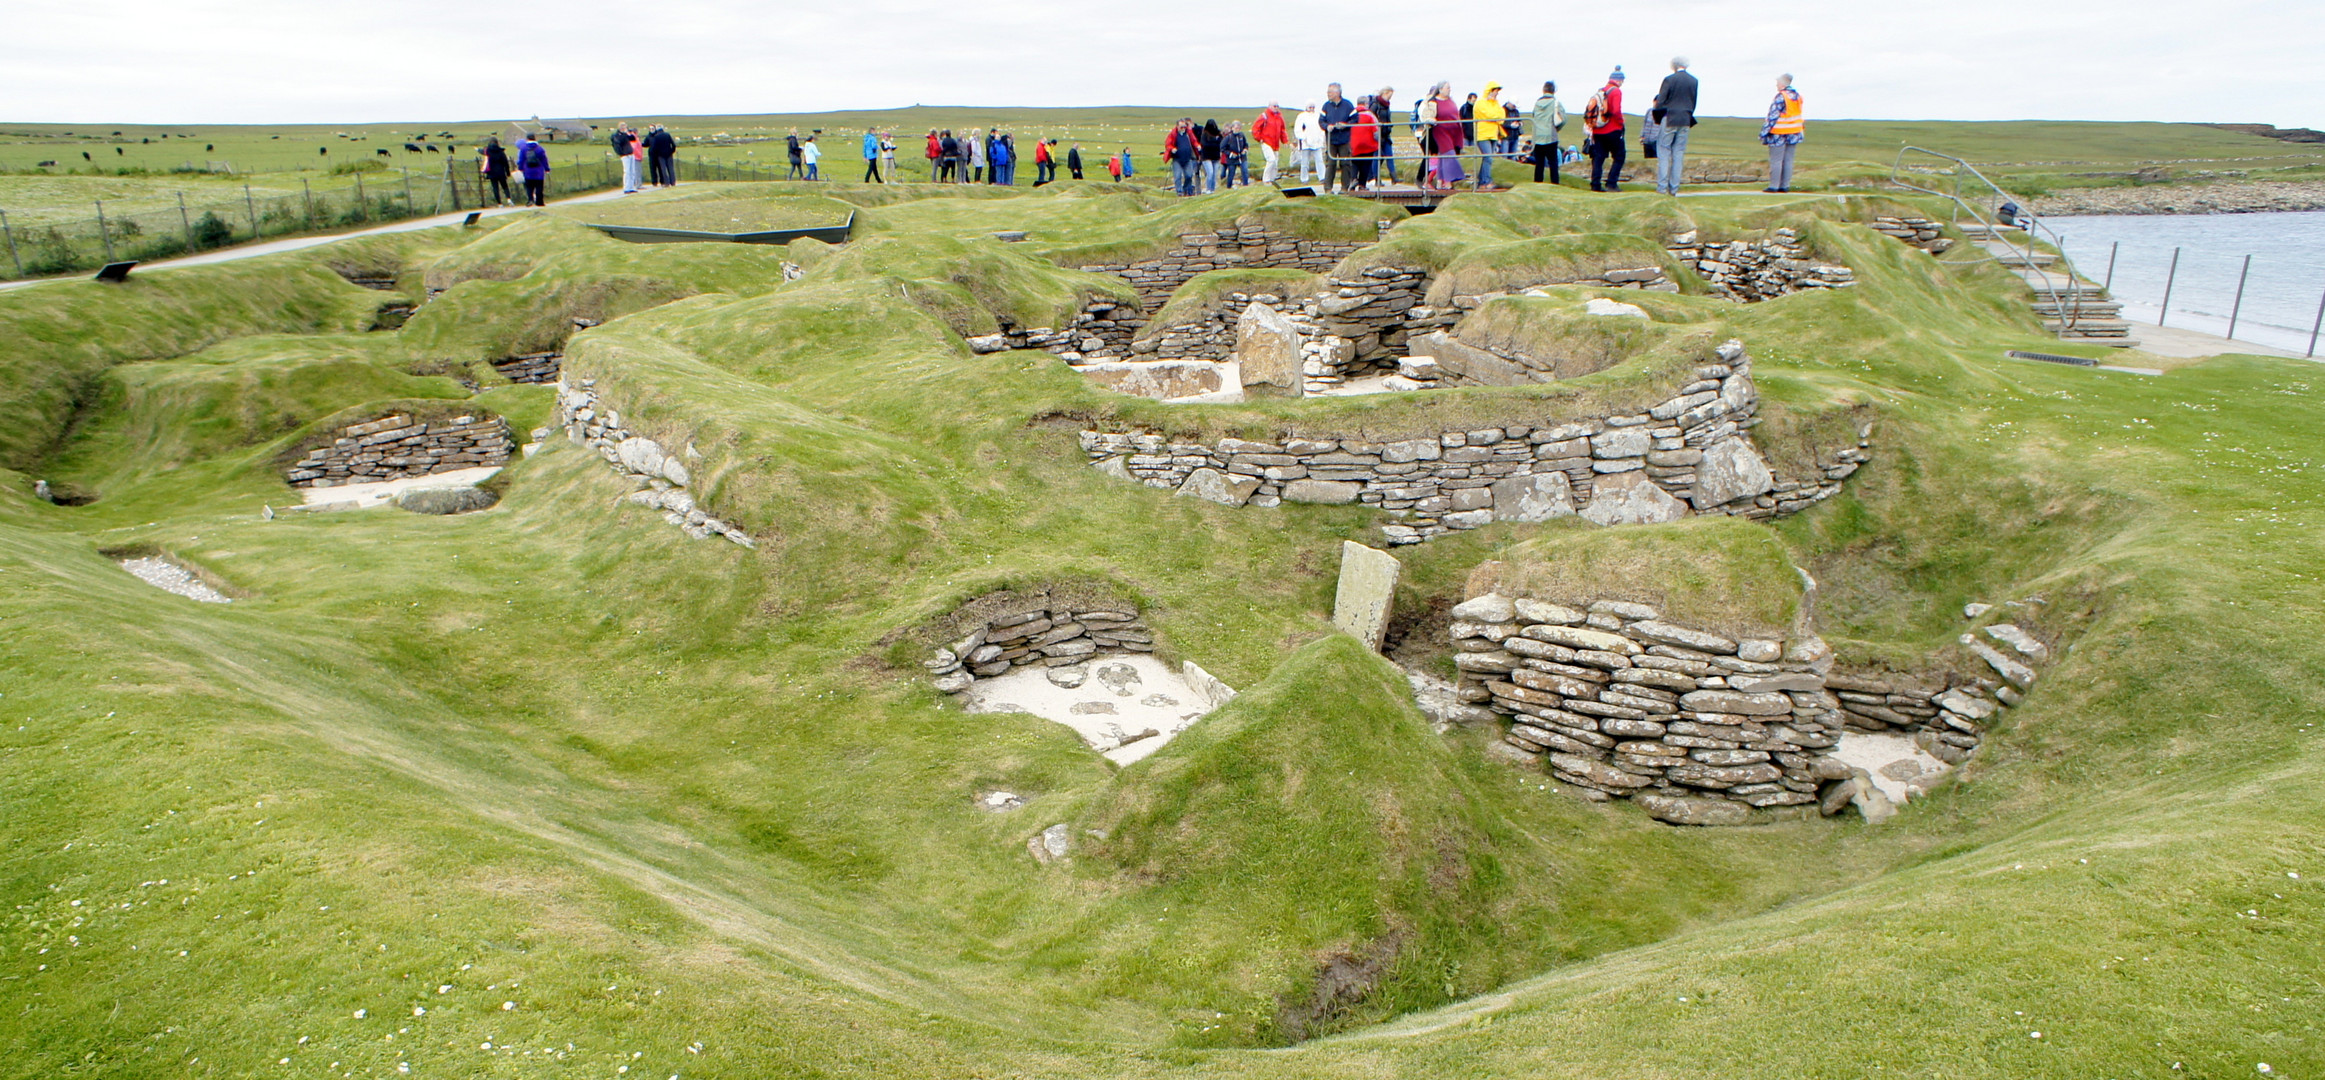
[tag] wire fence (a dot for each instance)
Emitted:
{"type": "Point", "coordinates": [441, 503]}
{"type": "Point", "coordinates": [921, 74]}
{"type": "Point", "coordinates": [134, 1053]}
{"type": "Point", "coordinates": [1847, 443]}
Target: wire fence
{"type": "Point", "coordinates": [115, 233]}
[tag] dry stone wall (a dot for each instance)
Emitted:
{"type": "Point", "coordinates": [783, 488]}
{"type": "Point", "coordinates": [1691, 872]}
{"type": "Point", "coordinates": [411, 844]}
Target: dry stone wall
{"type": "Point", "coordinates": [398, 448]}
{"type": "Point", "coordinates": [1233, 247]}
{"type": "Point", "coordinates": [537, 368]}
{"type": "Point", "coordinates": [1054, 637]}
{"type": "Point", "coordinates": [1754, 270]}
{"type": "Point", "coordinates": [1690, 454]}
{"type": "Point", "coordinates": [1700, 728]}
{"type": "Point", "coordinates": [658, 473]}
{"type": "Point", "coordinates": [1918, 231]}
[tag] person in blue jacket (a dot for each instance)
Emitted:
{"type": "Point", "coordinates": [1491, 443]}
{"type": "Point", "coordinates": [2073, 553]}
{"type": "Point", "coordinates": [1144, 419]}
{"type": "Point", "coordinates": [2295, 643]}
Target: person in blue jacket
{"type": "Point", "coordinates": [533, 165]}
{"type": "Point", "coordinates": [871, 156]}
{"type": "Point", "coordinates": [1339, 115]}
{"type": "Point", "coordinates": [1003, 158]}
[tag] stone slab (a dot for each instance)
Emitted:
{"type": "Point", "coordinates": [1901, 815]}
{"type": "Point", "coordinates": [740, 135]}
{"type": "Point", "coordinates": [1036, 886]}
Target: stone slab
{"type": "Point", "coordinates": [1368, 584]}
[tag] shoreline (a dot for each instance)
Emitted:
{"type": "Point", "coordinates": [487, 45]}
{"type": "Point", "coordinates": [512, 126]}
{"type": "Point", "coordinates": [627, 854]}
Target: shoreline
{"type": "Point", "coordinates": [2233, 197]}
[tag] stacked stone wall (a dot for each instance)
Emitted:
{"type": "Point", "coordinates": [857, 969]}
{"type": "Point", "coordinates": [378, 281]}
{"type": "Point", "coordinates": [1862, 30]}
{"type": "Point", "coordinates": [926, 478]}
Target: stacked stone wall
{"type": "Point", "coordinates": [658, 473]}
{"type": "Point", "coordinates": [1689, 454]}
{"type": "Point", "coordinates": [1699, 727]}
{"type": "Point", "coordinates": [1754, 270]}
{"type": "Point", "coordinates": [398, 448]}
{"type": "Point", "coordinates": [1054, 637]}
{"type": "Point", "coordinates": [1918, 231]}
{"type": "Point", "coordinates": [1233, 247]}
{"type": "Point", "coordinates": [535, 368]}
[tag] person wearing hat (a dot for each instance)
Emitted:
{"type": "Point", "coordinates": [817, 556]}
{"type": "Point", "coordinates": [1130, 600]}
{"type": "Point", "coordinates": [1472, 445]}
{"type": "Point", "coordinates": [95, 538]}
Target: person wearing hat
{"type": "Point", "coordinates": [1675, 111]}
{"type": "Point", "coordinates": [1492, 136]}
{"type": "Point", "coordinates": [1603, 119]}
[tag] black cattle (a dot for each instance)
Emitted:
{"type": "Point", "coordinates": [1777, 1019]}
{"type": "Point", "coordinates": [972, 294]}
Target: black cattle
{"type": "Point", "coordinates": [49, 164]}
{"type": "Point", "coordinates": [431, 148]}
{"type": "Point", "coordinates": [412, 147]}
{"type": "Point", "coordinates": [383, 152]}
{"type": "Point", "coordinates": [85, 156]}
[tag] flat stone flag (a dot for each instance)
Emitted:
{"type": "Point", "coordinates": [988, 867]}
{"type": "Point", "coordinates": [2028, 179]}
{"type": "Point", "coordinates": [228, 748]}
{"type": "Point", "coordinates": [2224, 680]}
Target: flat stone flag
{"type": "Point", "coordinates": [1368, 581]}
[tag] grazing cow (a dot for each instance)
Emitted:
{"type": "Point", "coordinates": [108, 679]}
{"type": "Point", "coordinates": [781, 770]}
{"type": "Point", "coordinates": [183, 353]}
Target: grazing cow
{"type": "Point", "coordinates": [383, 152]}
{"type": "Point", "coordinates": [119, 151]}
{"type": "Point", "coordinates": [412, 147]}
{"type": "Point", "coordinates": [85, 156]}
{"type": "Point", "coordinates": [322, 149]}
{"type": "Point", "coordinates": [49, 164]}
{"type": "Point", "coordinates": [431, 148]}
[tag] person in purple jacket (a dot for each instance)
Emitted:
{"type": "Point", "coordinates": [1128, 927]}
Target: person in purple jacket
{"type": "Point", "coordinates": [533, 165]}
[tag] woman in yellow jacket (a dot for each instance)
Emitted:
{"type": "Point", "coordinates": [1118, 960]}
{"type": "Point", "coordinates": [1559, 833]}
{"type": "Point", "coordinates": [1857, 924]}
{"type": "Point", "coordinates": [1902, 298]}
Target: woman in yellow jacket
{"type": "Point", "coordinates": [1787, 123]}
{"type": "Point", "coordinates": [1492, 135]}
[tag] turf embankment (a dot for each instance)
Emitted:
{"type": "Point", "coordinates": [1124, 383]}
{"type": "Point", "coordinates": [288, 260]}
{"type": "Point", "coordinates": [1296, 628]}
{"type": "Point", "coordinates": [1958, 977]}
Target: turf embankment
{"type": "Point", "coordinates": [549, 789]}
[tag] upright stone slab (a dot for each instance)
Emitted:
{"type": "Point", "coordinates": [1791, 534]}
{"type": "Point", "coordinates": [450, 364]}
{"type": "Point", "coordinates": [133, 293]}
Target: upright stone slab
{"type": "Point", "coordinates": [1368, 582]}
{"type": "Point", "coordinates": [1268, 348]}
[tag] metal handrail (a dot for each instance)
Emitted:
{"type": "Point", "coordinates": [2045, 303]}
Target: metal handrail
{"type": "Point", "coordinates": [2070, 306]}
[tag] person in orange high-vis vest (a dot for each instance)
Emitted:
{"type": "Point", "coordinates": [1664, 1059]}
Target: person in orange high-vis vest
{"type": "Point", "coordinates": [1786, 125]}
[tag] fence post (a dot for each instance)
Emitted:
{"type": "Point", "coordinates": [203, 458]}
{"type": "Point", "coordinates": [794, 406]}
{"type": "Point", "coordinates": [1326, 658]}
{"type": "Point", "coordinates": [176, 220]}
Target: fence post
{"type": "Point", "coordinates": [11, 234]}
{"type": "Point", "coordinates": [102, 234]}
{"type": "Point", "coordinates": [362, 208]}
{"type": "Point", "coordinates": [2238, 309]}
{"type": "Point", "coordinates": [187, 221]}
{"type": "Point", "coordinates": [2313, 327]}
{"type": "Point", "coordinates": [2112, 249]}
{"type": "Point", "coordinates": [452, 180]}
{"type": "Point", "coordinates": [2165, 311]}
{"type": "Point", "coordinates": [409, 209]}
{"type": "Point", "coordinates": [251, 205]}
{"type": "Point", "coordinates": [307, 195]}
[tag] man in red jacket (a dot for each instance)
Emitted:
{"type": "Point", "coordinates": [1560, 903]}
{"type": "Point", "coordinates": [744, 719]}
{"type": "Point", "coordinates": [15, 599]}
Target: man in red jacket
{"type": "Point", "coordinates": [1603, 117]}
{"type": "Point", "coordinates": [1268, 131]}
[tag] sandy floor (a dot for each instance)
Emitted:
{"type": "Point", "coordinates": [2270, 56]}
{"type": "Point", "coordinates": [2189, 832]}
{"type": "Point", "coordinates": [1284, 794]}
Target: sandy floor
{"type": "Point", "coordinates": [170, 577]}
{"type": "Point", "coordinates": [1121, 699]}
{"type": "Point", "coordinates": [376, 494]}
{"type": "Point", "coordinates": [1900, 769]}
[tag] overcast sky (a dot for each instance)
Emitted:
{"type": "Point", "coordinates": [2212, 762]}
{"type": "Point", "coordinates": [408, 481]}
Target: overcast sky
{"type": "Point", "coordinates": [279, 61]}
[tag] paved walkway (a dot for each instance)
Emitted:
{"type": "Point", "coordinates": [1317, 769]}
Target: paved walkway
{"type": "Point", "coordinates": [296, 243]}
{"type": "Point", "coordinates": [2188, 344]}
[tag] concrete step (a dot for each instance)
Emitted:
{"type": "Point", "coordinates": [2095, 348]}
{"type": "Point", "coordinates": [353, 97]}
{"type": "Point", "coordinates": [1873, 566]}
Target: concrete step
{"type": "Point", "coordinates": [2088, 328]}
{"type": "Point", "coordinates": [1976, 231]}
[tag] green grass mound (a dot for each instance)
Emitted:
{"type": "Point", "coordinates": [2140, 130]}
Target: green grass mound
{"type": "Point", "coordinates": [1550, 260]}
{"type": "Point", "coordinates": [721, 210]}
{"type": "Point", "coordinates": [1721, 574]}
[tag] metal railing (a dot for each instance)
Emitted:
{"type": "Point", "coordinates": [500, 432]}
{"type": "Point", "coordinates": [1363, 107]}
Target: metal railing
{"type": "Point", "coordinates": [2067, 302]}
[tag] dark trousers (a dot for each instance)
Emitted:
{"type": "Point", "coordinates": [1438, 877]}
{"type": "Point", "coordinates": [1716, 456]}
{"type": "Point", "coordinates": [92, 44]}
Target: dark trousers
{"type": "Point", "coordinates": [798, 170]}
{"type": "Point", "coordinates": [1044, 171]}
{"type": "Point", "coordinates": [1338, 168]}
{"type": "Point", "coordinates": [1546, 156]}
{"type": "Point", "coordinates": [1077, 172]}
{"type": "Point", "coordinates": [1603, 148]}
{"type": "Point", "coordinates": [500, 188]}
{"type": "Point", "coordinates": [871, 170]}
{"type": "Point", "coordinates": [534, 195]}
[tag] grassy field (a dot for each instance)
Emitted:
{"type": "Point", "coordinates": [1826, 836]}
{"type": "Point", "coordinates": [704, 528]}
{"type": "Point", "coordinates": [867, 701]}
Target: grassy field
{"type": "Point", "coordinates": [551, 790]}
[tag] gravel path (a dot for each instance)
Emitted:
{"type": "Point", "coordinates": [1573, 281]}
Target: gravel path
{"type": "Point", "coordinates": [170, 577]}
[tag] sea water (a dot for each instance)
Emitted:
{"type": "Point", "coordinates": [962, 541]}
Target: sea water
{"type": "Point", "coordinates": [2281, 294]}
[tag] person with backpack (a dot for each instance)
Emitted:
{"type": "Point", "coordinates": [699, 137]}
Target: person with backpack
{"type": "Point", "coordinates": [1548, 118]}
{"type": "Point", "coordinates": [494, 164]}
{"type": "Point", "coordinates": [797, 154]}
{"type": "Point", "coordinates": [533, 164]}
{"type": "Point", "coordinates": [1602, 118]}
{"type": "Point", "coordinates": [625, 143]}
{"type": "Point", "coordinates": [1268, 132]}
{"type": "Point", "coordinates": [1786, 126]}
{"type": "Point", "coordinates": [1674, 110]}
{"type": "Point", "coordinates": [1308, 142]}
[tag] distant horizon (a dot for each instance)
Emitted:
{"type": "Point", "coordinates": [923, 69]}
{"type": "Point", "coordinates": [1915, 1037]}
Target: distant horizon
{"type": "Point", "coordinates": [275, 62]}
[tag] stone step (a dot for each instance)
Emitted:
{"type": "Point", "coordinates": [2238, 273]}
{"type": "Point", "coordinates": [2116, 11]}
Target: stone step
{"type": "Point", "coordinates": [1977, 231]}
{"type": "Point", "coordinates": [2089, 327]}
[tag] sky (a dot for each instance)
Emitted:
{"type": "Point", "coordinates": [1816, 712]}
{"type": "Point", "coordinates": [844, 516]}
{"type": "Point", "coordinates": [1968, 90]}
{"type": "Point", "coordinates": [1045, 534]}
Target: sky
{"type": "Point", "coordinates": [285, 62]}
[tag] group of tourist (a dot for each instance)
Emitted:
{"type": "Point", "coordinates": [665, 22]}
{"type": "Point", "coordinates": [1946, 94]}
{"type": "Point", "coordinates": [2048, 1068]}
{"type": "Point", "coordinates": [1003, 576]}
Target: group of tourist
{"type": "Point", "coordinates": [1347, 143]}
{"type": "Point", "coordinates": [993, 157]}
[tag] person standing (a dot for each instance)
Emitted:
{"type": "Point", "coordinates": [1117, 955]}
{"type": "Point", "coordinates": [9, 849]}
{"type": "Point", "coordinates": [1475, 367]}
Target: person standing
{"type": "Point", "coordinates": [1268, 132]}
{"type": "Point", "coordinates": [624, 142]}
{"type": "Point", "coordinates": [1338, 113]}
{"type": "Point", "coordinates": [665, 145]}
{"type": "Point", "coordinates": [1211, 142]}
{"type": "Point", "coordinates": [1488, 113]}
{"type": "Point", "coordinates": [1364, 145]}
{"type": "Point", "coordinates": [812, 154]}
{"type": "Point", "coordinates": [975, 156]}
{"type": "Point", "coordinates": [1235, 156]}
{"type": "Point", "coordinates": [1073, 160]}
{"type": "Point", "coordinates": [1005, 159]}
{"type": "Point", "coordinates": [1445, 138]}
{"type": "Point", "coordinates": [948, 150]}
{"type": "Point", "coordinates": [1675, 110]}
{"type": "Point", "coordinates": [1383, 106]}
{"type": "Point", "coordinates": [1116, 163]}
{"type": "Point", "coordinates": [871, 156]}
{"type": "Point", "coordinates": [1179, 148]}
{"type": "Point", "coordinates": [1787, 124]}
{"type": "Point", "coordinates": [935, 154]}
{"type": "Point", "coordinates": [1044, 170]}
{"type": "Point", "coordinates": [887, 157]}
{"type": "Point", "coordinates": [1308, 144]}
{"type": "Point", "coordinates": [796, 153]}
{"type": "Point", "coordinates": [496, 170]}
{"type": "Point", "coordinates": [1549, 117]}
{"type": "Point", "coordinates": [533, 165]}
{"type": "Point", "coordinates": [1602, 118]}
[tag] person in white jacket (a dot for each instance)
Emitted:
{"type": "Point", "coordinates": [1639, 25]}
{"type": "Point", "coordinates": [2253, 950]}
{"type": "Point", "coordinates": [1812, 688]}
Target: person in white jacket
{"type": "Point", "coordinates": [1308, 143]}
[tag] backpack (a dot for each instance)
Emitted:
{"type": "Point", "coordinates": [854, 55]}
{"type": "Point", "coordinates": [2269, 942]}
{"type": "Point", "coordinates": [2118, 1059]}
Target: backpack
{"type": "Point", "coordinates": [1594, 114]}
